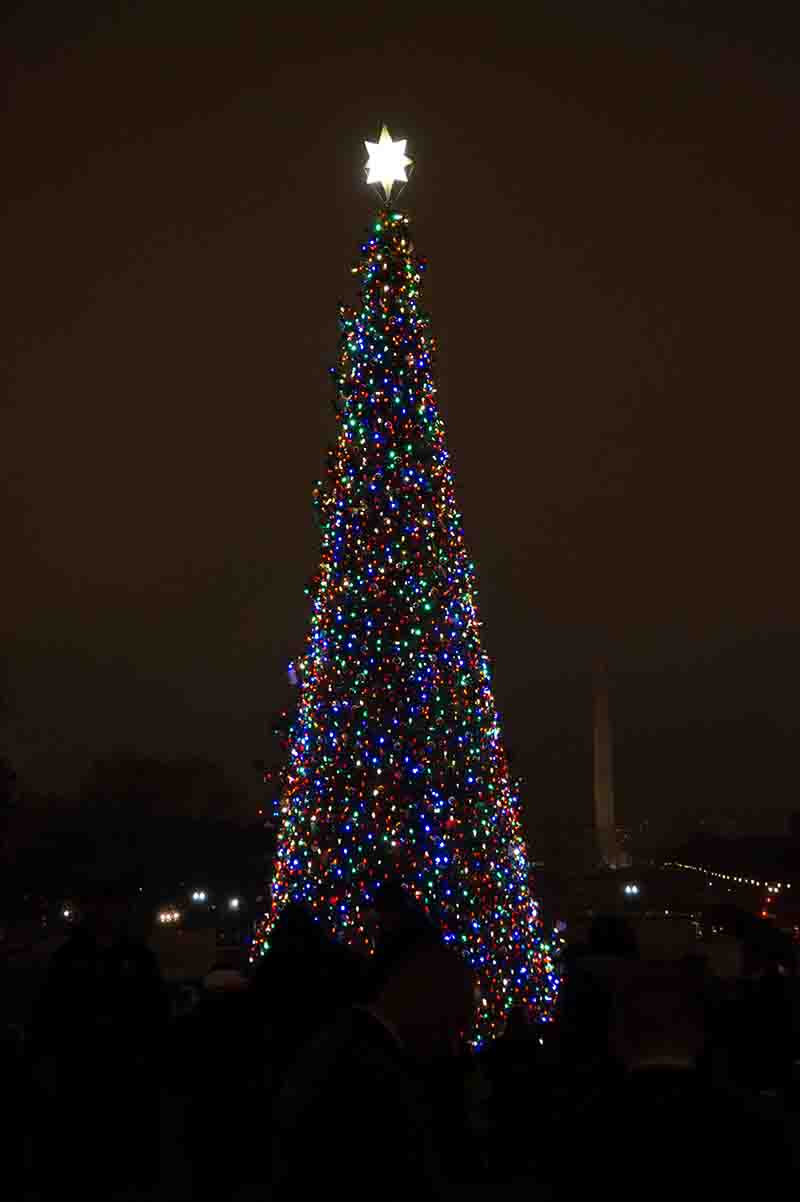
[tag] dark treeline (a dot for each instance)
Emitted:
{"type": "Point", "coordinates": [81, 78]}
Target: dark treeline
{"type": "Point", "coordinates": [136, 822]}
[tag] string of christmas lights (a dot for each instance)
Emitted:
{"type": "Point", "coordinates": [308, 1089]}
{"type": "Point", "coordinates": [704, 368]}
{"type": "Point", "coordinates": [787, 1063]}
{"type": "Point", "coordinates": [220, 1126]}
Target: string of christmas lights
{"type": "Point", "coordinates": [396, 768]}
{"type": "Point", "coordinates": [772, 885]}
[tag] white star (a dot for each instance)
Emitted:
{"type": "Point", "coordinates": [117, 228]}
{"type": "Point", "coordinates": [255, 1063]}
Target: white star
{"type": "Point", "coordinates": [387, 162]}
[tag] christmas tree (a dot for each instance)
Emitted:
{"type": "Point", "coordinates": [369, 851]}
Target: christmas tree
{"type": "Point", "coordinates": [396, 768]}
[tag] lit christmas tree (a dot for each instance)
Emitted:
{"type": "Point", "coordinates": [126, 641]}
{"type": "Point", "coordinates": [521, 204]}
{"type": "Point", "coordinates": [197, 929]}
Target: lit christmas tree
{"type": "Point", "coordinates": [396, 768]}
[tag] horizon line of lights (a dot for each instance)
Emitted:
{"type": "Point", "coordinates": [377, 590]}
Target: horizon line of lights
{"type": "Point", "coordinates": [771, 886]}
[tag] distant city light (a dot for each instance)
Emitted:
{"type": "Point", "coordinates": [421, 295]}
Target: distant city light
{"type": "Point", "coordinates": [199, 895]}
{"type": "Point", "coordinates": [234, 903]}
{"type": "Point", "coordinates": [631, 890]}
{"type": "Point", "coordinates": [169, 916]}
{"type": "Point", "coordinates": [67, 913]}
{"type": "Point", "coordinates": [728, 876]}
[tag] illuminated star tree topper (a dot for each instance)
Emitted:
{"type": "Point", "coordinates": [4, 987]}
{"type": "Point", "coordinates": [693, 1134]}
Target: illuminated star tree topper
{"type": "Point", "coordinates": [387, 163]}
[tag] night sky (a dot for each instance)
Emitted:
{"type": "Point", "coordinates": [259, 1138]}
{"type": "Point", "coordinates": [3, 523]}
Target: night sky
{"type": "Point", "coordinates": [609, 210]}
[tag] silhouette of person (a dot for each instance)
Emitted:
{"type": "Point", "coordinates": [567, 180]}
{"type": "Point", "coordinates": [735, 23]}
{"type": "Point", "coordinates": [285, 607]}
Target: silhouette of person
{"type": "Point", "coordinates": [99, 1024]}
{"type": "Point", "coordinates": [683, 1135]}
{"type": "Point", "coordinates": [65, 1062]}
{"type": "Point", "coordinates": [301, 982]}
{"type": "Point", "coordinates": [135, 1014]}
{"type": "Point", "coordinates": [355, 1116]}
{"type": "Point", "coordinates": [228, 1107]}
{"type": "Point", "coordinates": [511, 1063]}
{"type": "Point", "coordinates": [587, 999]}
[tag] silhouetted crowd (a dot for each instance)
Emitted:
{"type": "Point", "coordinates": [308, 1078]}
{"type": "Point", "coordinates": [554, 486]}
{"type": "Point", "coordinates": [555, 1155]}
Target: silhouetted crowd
{"type": "Point", "coordinates": [326, 1076]}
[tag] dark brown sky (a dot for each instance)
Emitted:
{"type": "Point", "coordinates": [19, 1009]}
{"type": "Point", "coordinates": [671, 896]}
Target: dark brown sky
{"type": "Point", "coordinates": [609, 207]}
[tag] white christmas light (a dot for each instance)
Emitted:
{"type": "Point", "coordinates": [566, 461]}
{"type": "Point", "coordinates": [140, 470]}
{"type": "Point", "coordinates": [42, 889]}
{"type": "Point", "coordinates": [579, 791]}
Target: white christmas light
{"type": "Point", "coordinates": [387, 162]}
